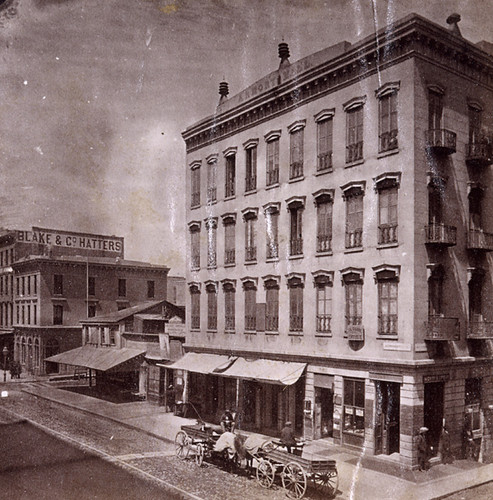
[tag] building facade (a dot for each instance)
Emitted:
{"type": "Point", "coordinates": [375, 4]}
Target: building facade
{"type": "Point", "coordinates": [56, 278]}
{"type": "Point", "coordinates": [339, 219]}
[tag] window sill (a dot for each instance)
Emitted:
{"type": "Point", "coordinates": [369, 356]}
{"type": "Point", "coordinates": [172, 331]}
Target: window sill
{"type": "Point", "coordinates": [210, 330]}
{"type": "Point", "coordinates": [194, 207]}
{"type": "Point", "coordinates": [295, 257]}
{"type": "Point", "coordinates": [390, 152]}
{"type": "Point", "coordinates": [232, 197]}
{"type": "Point", "coordinates": [212, 267]}
{"type": "Point", "coordinates": [354, 163]}
{"type": "Point", "coordinates": [229, 332]}
{"type": "Point", "coordinates": [323, 172]}
{"type": "Point", "coordinates": [328, 253]}
{"type": "Point", "coordinates": [195, 329]}
{"type": "Point", "coordinates": [250, 262]}
{"type": "Point", "coordinates": [251, 191]}
{"type": "Point", "coordinates": [193, 269]}
{"type": "Point", "coordinates": [211, 202]}
{"type": "Point", "coordinates": [272, 186]}
{"type": "Point", "coordinates": [230, 264]}
{"type": "Point", "coordinates": [272, 259]}
{"type": "Point", "coordinates": [389, 336]}
{"type": "Point", "coordinates": [296, 179]}
{"type": "Point", "coordinates": [250, 332]}
{"type": "Point", "coordinates": [321, 335]}
{"type": "Point", "coordinates": [353, 250]}
{"type": "Point", "coordinates": [295, 334]}
{"type": "Point", "coordinates": [382, 246]}
{"type": "Point", "coordinates": [271, 333]}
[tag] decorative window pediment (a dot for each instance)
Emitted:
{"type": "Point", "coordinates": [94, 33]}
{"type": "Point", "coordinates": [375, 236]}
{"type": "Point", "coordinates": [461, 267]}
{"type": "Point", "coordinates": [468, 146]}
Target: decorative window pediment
{"type": "Point", "coordinates": [352, 274]}
{"type": "Point", "coordinates": [249, 283]}
{"type": "Point", "coordinates": [325, 114]}
{"type": "Point", "coordinates": [297, 125]}
{"type": "Point", "coordinates": [386, 272]}
{"type": "Point", "coordinates": [194, 286]}
{"type": "Point", "coordinates": [354, 188]}
{"type": "Point", "coordinates": [475, 104]}
{"type": "Point", "coordinates": [211, 286]}
{"type": "Point", "coordinates": [229, 218]}
{"type": "Point", "coordinates": [271, 281]}
{"type": "Point", "coordinates": [272, 207]}
{"type": "Point", "coordinates": [230, 151]}
{"type": "Point", "coordinates": [210, 222]}
{"type": "Point", "coordinates": [436, 88]}
{"type": "Point", "coordinates": [295, 280]}
{"type": "Point", "coordinates": [195, 164]}
{"type": "Point", "coordinates": [387, 88]}
{"type": "Point", "coordinates": [249, 213]}
{"type": "Point", "coordinates": [272, 135]}
{"type": "Point", "coordinates": [323, 196]}
{"type": "Point", "coordinates": [194, 226]}
{"type": "Point", "coordinates": [387, 180]}
{"type": "Point", "coordinates": [212, 158]}
{"type": "Point", "coordinates": [322, 277]}
{"type": "Point", "coordinates": [228, 284]}
{"type": "Point", "coordinates": [251, 143]}
{"type": "Point", "coordinates": [296, 202]}
{"type": "Point", "coordinates": [355, 102]}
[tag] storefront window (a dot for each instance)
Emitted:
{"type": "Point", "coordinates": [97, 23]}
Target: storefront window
{"type": "Point", "coordinates": [354, 406]}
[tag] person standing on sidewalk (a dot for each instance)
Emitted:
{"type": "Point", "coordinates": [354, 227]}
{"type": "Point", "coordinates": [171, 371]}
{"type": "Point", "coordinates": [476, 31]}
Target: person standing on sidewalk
{"type": "Point", "coordinates": [423, 449]}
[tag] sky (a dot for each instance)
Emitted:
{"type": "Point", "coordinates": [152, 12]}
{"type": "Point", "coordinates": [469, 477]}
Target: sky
{"type": "Point", "coordinates": [94, 95]}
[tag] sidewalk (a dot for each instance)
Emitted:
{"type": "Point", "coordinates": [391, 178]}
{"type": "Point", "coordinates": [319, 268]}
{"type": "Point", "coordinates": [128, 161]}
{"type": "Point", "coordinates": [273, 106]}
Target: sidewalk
{"type": "Point", "coordinates": [360, 477]}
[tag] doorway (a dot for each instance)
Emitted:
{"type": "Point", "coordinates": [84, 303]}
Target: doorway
{"type": "Point", "coordinates": [387, 417]}
{"type": "Point", "coordinates": [323, 412]}
{"type": "Point", "coordinates": [433, 413]}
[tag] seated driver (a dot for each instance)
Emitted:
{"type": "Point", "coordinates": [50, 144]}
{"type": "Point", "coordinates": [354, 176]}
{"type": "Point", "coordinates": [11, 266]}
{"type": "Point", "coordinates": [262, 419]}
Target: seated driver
{"type": "Point", "coordinates": [287, 436]}
{"type": "Point", "coordinates": [227, 421]}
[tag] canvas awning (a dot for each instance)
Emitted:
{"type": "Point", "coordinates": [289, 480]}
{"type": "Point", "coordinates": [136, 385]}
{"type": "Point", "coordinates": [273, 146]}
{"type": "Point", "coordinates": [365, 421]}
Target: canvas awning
{"type": "Point", "coordinates": [96, 358]}
{"type": "Point", "coordinates": [266, 370]}
{"type": "Point", "coordinates": [202, 363]}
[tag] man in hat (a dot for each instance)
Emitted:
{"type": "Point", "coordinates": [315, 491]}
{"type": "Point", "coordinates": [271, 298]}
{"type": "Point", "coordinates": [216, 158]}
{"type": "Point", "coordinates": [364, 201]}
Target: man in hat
{"type": "Point", "coordinates": [423, 450]}
{"type": "Point", "coordinates": [287, 436]}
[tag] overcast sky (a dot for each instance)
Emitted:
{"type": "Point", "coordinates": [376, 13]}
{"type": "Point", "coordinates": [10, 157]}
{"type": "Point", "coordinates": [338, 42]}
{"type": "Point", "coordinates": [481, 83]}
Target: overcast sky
{"type": "Point", "coordinates": [94, 95]}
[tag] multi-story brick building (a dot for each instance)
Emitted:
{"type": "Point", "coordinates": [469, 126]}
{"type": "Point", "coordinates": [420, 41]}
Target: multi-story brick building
{"type": "Point", "coordinates": [52, 279]}
{"type": "Point", "coordinates": [339, 216]}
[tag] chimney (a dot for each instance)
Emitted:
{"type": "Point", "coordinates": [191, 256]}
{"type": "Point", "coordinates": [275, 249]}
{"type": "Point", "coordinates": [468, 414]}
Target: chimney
{"type": "Point", "coordinates": [453, 20]}
{"type": "Point", "coordinates": [283, 55]}
{"type": "Point", "coordinates": [223, 91]}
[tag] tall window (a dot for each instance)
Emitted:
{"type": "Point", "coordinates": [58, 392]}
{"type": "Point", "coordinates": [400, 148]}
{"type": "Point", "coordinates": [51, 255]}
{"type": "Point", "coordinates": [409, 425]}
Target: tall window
{"type": "Point", "coordinates": [387, 214]}
{"type": "Point", "coordinates": [296, 227]}
{"type": "Point", "coordinates": [229, 307]}
{"type": "Point", "coordinates": [122, 287]}
{"type": "Point", "coordinates": [57, 284]}
{"type": "Point", "coordinates": [250, 306]}
{"type": "Point", "coordinates": [435, 291]}
{"type": "Point", "coordinates": [354, 406]}
{"type": "Point", "coordinates": [354, 217]}
{"type": "Point", "coordinates": [250, 218]}
{"type": "Point", "coordinates": [387, 282]}
{"type": "Point", "coordinates": [272, 305]}
{"type": "Point", "coordinates": [211, 180]}
{"type": "Point", "coordinates": [251, 166]}
{"type": "Point", "coordinates": [324, 143]}
{"type": "Point", "coordinates": [272, 160]}
{"type": "Point", "coordinates": [387, 117]}
{"type": "Point", "coordinates": [353, 284]}
{"type": "Point", "coordinates": [475, 123]}
{"type": "Point", "coordinates": [150, 289]}
{"type": "Point", "coordinates": [211, 226]}
{"type": "Point", "coordinates": [195, 185]}
{"type": "Point", "coordinates": [324, 222]}
{"type": "Point", "coordinates": [475, 297]}
{"type": "Point", "coordinates": [435, 109]}
{"type": "Point", "coordinates": [229, 240]}
{"type": "Point", "coordinates": [211, 307]}
{"type": "Point", "coordinates": [57, 314]}
{"type": "Point", "coordinates": [195, 307]}
{"type": "Point", "coordinates": [230, 187]}
{"type": "Point", "coordinates": [91, 310]}
{"type": "Point", "coordinates": [354, 133]}
{"type": "Point", "coordinates": [272, 231]}
{"type": "Point", "coordinates": [295, 285]}
{"type": "Point", "coordinates": [91, 285]}
{"type": "Point", "coordinates": [296, 149]}
{"type": "Point", "coordinates": [195, 246]}
{"type": "Point", "coordinates": [475, 212]}
{"type": "Point", "coordinates": [323, 287]}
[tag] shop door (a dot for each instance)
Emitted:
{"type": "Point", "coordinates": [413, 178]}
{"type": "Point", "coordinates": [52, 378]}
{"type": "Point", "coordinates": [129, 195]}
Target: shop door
{"type": "Point", "coordinates": [323, 412]}
{"type": "Point", "coordinates": [433, 413]}
{"type": "Point", "coordinates": [387, 417]}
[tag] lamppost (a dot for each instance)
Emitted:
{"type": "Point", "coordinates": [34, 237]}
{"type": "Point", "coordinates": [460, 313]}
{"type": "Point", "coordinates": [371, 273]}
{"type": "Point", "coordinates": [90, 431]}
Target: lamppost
{"type": "Point", "coordinates": [5, 352]}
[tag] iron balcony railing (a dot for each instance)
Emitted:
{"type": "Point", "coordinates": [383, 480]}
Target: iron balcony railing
{"type": "Point", "coordinates": [323, 323]}
{"type": "Point", "coordinates": [211, 194]}
{"type": "Point", "coordinates": [296, 169]}
{"type": "Point", "coordinates": [442, 328]}
{"type": "Point", "coordinates": [441, 140]}
{"type": "Point", "coordinates": [387, 324]}
{"type": "Point", "coordinates": [250, 253]}
{"type": "Point", "coordinates": [296, 246]}
{"type": "Point", "coordinates": [195, 322]}
{"type": "Point", "coordinates": [388, 141]}
{"type": "Point", "coordinates": [441, 234]}
{"type": "Point", "coordinates": [387, 233]}
{"type": "Point", "coordinates": [250, 323]}
{"type": "Point", "coordinates": [230, 256]}
{"type": "Point", "coordinates": [295, 323]}
{"type": "Point", "coordinates": [230, 189]}
{"type": "Point", "coordinates": [354, 152]}
{"type": "Point", "coordinates": [229, 323]}
{"type": "Point", "coordinates": [477, 239]}
{"type": "Point", "coordinates": [271, 323]}
{"type": "Point", "coordinates": [272, 177]}
{"type": "Point", "coordinates": [212, 322]}
{"type": "Point", "coordinates": [251, 183]}
{"type": "Point", "coordinates": [324, 161]}
{"type": "Point", "coordinates": [272, 251]}
{"type": "Point", "coordinates": [479, 154]}
{"type": "Point", "coordinates": [354, 239]}
{"type": "Point", "coordinates": [480, 330]}
{"type": "Point", "coordinates": [324, 243]}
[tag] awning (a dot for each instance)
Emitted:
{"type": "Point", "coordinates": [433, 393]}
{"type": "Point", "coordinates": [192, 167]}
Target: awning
{"type": "Point", "coordinates": [202, 363]}
{"type": "Point", "coordinates": [96, 358]}
{"type": "Point", "coordinates": [266, 370]}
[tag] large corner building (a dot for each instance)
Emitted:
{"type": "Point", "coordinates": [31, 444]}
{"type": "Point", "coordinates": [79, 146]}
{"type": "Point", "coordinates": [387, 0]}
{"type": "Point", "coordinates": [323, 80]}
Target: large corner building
{"type": "Point", "coordinates": [340, 225]}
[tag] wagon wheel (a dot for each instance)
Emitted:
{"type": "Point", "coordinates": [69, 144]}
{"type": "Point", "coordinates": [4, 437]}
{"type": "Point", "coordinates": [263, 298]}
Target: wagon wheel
{"type": "Point", "coordinates": [182, 445]}
{"type": "Point", "coordinates": [199, 454]}
{"type": "Point", "coordinates": [328, 481]}
{"type": "Point", "coordinates": [265, 473]}
{"type": "Point", "coordinates": [294, 480]}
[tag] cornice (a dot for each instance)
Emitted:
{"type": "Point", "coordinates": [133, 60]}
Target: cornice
{"type": "Point", "coordinates": [413, 37]}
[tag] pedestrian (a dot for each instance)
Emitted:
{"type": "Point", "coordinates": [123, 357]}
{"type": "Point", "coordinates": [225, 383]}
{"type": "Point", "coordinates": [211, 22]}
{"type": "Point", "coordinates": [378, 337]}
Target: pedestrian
{"type": "Point", "coordinates": [444, 446]}
{"type": "Point", "coordinates": [423, 449]}
{"type": "Point", "coordinates": [287, 436]}
{"type": "Point", "coordinates": [227, 421]}
{"type": "Point", "coordinates": [170, 398]}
